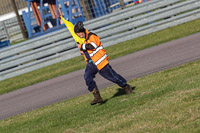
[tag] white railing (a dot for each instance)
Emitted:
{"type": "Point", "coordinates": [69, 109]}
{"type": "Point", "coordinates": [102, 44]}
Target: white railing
{"type": "Point", "coordinates": [114, 28]}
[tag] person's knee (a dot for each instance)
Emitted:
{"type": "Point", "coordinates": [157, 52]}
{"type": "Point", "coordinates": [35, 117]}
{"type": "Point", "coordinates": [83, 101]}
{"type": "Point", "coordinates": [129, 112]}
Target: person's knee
{"type": "Point", "coordinates": [88, 79]}
{"type": "Point", "coordinates": [85, 76]}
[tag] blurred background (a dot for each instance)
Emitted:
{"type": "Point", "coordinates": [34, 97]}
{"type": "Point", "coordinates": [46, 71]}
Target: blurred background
{"type": "Point", "coordinates": [32, 36]}
{"type": "Point", "coordinates": [21, 19]}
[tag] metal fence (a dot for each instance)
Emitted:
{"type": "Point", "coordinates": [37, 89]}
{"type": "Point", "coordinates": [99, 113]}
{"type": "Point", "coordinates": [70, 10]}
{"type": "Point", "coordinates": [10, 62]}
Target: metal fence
{"type": "Point", "coordinates": [113, 28]}
{"type": "Point", "coordinates": [10, 28]}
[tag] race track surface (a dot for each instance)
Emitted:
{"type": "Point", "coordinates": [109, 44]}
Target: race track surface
{"type": "Point", "coordinates": [131, 66]}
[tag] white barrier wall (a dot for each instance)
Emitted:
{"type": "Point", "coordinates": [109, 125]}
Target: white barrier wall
{"type": "Point", "coordinates": [114, 28]}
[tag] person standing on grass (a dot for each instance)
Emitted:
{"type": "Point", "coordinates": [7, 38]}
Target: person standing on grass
{"type": "Point", "coordinates": [97, 61]}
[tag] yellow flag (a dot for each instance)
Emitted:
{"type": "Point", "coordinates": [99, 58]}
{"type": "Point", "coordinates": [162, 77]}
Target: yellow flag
{"type": "Point", "coordinates": [70, 27]}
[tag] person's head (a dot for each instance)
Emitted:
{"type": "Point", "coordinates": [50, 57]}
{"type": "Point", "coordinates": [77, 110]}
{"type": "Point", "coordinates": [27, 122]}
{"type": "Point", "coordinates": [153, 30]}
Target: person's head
{"type": "Point", "coordinates": [79, 29]}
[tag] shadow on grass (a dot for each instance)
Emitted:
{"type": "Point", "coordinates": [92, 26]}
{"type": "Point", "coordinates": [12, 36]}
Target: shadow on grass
{"type": "Point", "coordinates": [120, 92]}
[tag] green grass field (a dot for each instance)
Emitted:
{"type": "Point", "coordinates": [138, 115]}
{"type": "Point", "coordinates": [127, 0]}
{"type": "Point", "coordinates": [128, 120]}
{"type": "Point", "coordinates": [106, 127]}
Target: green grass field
{"type": "Point", "coordinates": [167, 102]}
{"type": "Point", "coordinates": [113, 52]}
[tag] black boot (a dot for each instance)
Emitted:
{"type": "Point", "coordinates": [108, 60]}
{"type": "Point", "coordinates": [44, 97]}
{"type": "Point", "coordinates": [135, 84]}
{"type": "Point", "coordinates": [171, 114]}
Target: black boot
{"type": "Point", "coordinates": [128, 89]}
{"type": "Point", "coordinates": [97, 97]}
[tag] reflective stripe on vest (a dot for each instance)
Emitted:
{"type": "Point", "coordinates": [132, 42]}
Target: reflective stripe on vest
{"type": "Point", "coordinates": [101, 59]}
{"type": "Point", "coordinates": [93, 44]}
{"type": "Point", "coordinates": [95, 51]}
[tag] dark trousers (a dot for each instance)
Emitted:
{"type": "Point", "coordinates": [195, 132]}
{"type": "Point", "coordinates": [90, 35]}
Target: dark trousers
{"type": "Point", "coordinates": [107, 72]}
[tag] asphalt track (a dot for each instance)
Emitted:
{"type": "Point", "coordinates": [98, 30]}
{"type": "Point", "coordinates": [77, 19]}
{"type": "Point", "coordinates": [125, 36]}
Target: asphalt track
{"type": "Point", "coordinates": [131, 66]}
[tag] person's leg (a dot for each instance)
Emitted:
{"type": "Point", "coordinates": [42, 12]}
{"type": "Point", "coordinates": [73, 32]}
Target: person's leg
{"type": "Point", "coordinates": [108, 73]}
{"type": "Point", "coordinates": [89, 76]}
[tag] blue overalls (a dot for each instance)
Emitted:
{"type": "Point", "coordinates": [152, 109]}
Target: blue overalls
{"type": "Point", "coordinates": [107, 72]}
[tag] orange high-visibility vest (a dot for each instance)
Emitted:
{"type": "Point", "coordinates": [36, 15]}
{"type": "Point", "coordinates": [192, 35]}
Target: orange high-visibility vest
{"type": "Point", "coordinates": [98, 55]}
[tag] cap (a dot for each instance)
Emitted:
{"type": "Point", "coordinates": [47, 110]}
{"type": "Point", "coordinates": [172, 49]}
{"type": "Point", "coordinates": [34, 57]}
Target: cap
{"type": "Point", "coordinates": [79, 27]}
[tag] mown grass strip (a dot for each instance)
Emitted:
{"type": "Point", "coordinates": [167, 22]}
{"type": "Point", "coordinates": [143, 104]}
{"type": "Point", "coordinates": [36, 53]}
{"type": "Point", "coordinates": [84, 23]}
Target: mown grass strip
{"type": "Point", "coordinates": [113, 52]}
{"type": "Point", "coordinates": [167, 101]}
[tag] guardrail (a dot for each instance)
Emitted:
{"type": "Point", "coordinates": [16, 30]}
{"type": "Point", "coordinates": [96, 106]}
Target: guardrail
{"type": "Point", "coordinates": [114, 28]}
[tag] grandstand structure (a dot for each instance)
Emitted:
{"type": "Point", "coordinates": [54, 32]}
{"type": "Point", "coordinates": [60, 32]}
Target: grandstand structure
{"type": "Point", "coordinates": [43, 16]}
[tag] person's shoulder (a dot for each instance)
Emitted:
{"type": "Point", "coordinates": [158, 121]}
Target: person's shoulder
{"type": "Point", "coordinates": [91, 33]}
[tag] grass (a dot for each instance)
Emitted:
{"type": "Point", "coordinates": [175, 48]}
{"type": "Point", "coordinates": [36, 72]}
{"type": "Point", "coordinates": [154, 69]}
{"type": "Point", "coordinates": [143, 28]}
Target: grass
{"type": "Point", "coordinates": [113, 52]}
{"type": "Point", "coordinates": [167, 101]}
